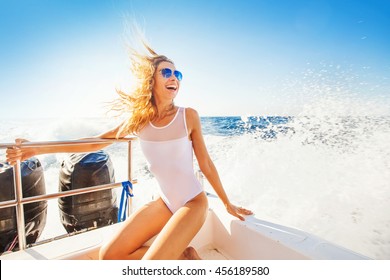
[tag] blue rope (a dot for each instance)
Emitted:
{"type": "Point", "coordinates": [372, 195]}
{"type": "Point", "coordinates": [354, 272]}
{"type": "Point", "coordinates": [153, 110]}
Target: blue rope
{"type": "Point", "coordinates": [126, 193]}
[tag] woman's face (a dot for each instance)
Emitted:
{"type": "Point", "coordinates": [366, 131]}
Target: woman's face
{"type": "Point", "coordinates": [165, 88]}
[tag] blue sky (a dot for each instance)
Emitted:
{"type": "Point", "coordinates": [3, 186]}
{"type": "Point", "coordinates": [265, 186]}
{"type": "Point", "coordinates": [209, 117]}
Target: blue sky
{"type": "Point", "coordinates": [264, 57]}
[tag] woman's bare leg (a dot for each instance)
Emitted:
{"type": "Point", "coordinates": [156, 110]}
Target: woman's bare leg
{"type": "Point", "coordinates": [181, 228]}
{"type": "Point", "coordinates": [136, 230]}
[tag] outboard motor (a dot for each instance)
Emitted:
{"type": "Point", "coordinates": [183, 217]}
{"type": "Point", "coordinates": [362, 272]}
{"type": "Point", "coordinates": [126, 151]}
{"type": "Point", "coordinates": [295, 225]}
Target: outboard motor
{"type": "Point", "coordinates": [88, 210]}
{"type": "Point", "coordinates": [33, 183]}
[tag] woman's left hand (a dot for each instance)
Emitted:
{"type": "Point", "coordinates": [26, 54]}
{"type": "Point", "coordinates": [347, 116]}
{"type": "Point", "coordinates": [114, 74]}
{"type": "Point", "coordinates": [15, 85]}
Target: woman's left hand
{"type": "Point", "coordinates": [238, 211]}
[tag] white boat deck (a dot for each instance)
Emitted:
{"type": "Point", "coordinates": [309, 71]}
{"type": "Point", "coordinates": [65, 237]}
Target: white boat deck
{"type": "Point", "coordinates": [86, 247]}
{"type": "Point", "coordinates": [222, 237]}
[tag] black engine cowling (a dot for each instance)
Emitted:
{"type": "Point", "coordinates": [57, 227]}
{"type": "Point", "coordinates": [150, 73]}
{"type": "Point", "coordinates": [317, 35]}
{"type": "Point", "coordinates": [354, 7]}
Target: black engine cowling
{"type": "Point", "coordinates": [88, 210]}
{"type": "Point", "coordinates": [33, 183]}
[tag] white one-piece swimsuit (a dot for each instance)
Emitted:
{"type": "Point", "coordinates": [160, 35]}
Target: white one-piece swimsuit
{"type": "Point", "coordinates": [170, 155]}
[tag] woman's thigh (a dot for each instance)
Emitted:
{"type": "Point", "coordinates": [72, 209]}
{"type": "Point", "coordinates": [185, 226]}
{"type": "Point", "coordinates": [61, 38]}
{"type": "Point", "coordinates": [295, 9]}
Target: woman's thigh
{"type": "Point", "coordinates": [145, 223]}
{"type": "Point", "coordinates": [180, 230]}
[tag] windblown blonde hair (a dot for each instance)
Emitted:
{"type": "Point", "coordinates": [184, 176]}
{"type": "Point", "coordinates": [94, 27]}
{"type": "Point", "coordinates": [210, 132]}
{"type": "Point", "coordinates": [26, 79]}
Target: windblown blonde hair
{"type": "Point", "coordinates": [140, 102]}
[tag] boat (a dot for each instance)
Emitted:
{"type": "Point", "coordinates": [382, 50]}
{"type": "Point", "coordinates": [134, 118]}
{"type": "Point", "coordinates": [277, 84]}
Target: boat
{"type": "Point", "coordinates": [222, 237]}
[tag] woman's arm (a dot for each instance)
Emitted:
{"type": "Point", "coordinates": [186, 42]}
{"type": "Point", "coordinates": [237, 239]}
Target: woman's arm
{"type": "Point", "coordinates": [21, 153]}
{"type": "Point", "coordinates": [207, 166]}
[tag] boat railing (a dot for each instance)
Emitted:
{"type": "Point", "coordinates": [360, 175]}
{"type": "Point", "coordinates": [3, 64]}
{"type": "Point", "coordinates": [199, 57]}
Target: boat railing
{"type": "Point", "coordinates": [19, 201]}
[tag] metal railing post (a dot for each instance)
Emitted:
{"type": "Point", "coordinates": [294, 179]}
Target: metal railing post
{"type": "Point", "coordinates": [19, 207]}
{"type": "Point", "coordinates": [129, 175]}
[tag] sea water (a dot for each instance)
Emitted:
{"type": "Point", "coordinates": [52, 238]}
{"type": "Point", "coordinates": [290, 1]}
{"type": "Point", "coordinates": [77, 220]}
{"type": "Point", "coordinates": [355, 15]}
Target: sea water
{"type": "Point", "coordinates": [326, 174]}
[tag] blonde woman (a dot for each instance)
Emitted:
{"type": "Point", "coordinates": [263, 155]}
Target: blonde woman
{"type": "Point", "coordinates": [169, 135]}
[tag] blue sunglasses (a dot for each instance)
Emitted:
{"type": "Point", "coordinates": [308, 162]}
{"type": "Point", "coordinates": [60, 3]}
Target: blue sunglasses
{"type": "Point", "coordinates": [166, 73]}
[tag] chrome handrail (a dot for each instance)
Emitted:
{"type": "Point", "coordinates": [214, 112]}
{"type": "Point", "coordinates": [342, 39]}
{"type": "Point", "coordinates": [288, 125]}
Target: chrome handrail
{"type": "Point", "coordinates": [43, 197]}
{"type": "Point", "coordinates": [19, 201]}
{"type": "Point", "coordinates": [66, 142]}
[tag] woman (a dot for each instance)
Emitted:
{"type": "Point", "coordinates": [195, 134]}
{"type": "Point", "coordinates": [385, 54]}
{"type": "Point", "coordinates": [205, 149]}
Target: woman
{"type": "Point", "coordinates": [169, 136]}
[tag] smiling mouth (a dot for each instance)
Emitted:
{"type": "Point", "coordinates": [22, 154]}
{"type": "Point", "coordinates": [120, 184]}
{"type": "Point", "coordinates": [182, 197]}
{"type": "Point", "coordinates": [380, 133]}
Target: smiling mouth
{"type": "Point", "coordinates": [171, 87]}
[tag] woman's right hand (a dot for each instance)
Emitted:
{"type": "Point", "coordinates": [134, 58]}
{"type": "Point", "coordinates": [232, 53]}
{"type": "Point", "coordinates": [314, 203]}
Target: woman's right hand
{"type": "Point", "coordinates": [18, 152]}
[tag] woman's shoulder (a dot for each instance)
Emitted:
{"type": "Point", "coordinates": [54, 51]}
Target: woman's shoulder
{"type": "Point", "coordinates": [191, 112]}
{"type": "Point", "coordinates": [192, 118]}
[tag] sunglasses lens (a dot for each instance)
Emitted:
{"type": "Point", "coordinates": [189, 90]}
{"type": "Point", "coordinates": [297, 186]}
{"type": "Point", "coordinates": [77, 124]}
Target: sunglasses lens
{"type": "Point", "coordinates": [178, 75]}
{"type": "Point", "coordinates": [166, 73]}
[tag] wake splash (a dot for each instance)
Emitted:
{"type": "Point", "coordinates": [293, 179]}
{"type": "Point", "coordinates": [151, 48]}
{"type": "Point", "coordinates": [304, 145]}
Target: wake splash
{"type": "Point", "coordinates": [330, 182]}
